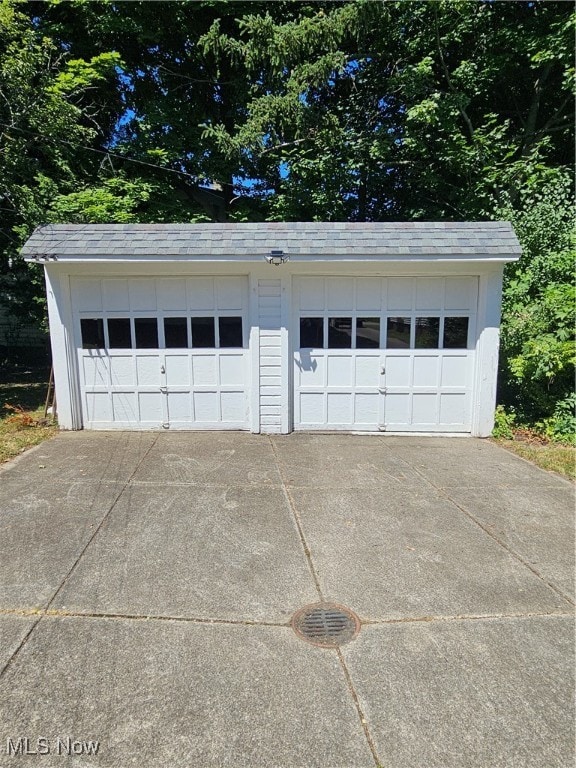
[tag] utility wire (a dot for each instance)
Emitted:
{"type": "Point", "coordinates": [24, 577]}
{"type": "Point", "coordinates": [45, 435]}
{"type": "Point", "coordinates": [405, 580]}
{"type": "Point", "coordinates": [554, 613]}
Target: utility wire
{"type": "Point", "coordinates": [99, 151]}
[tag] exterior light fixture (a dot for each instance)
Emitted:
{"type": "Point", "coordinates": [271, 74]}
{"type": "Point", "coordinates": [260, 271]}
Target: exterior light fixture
{"type": "Point", "coordinates": [276, 258]}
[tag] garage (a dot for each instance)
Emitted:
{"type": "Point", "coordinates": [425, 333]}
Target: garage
{"type": "Point", "coordinates": [275, 327]}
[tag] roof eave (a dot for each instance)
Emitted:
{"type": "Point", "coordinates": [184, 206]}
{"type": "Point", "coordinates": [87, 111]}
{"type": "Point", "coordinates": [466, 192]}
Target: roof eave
{"type": "Point", "coordinates": [135, 258]}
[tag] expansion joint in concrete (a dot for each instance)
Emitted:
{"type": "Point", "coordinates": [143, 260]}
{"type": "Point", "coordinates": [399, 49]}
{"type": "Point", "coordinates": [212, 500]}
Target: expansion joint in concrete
{"type": "Point", "coordinates": [298, 523]}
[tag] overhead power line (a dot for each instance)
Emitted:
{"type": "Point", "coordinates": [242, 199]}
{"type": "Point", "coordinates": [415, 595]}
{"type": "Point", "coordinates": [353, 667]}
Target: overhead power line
{"type": "Point", "coordinates": [106, 152]}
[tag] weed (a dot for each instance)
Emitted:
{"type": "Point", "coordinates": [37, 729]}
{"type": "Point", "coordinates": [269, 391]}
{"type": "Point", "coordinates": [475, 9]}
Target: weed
{"type": "Point", "coordinates": [20, 417]}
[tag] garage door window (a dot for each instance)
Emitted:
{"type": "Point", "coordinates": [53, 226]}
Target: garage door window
{"type": "Point", "coordinates": [176, 332]}
{"type": "Point", "coordinates": [427, 334]}
{"type": "Point", "coordinates": [119, 333]}
{"type": "Point", "coordinates": [312, 332]}
{"type": "Point", "coordinates": [340, 333]}
{"type": "Point", "coordinates": [367, 332]}
{"type": "Point", "coordinates": [203, 335]}
{"type": "Point", "coordinates": [398, 332]}
{"type": "Point", "coordinates": [92, 333]}
{"type": "Point", "coordinates": [230, 331]}
{"type": "Point", "coordinates": [455, 333]}
{"type": "Point", "coordinates": [146, 331]}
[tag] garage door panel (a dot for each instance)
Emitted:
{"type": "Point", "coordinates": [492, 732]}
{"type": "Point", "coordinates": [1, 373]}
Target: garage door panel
{"type": "Point", "coordinates": [87, 295]}
{"type": "Point", "coordinates": [366, 370]}
{"type": "Point", "coordinates": [366, 409]}
{"type": "Point", "coordinates": [397, 408]}
{"type": "Point", "coordinates": [180, 387]}
{"type": "Point", "coordinates": [178, 372]}
{"type": "Point", "coordinates": [233, 406]}
{"type": "Point", "coordinates": [122, 370]}
{"type": "Point", "coordinates": [150, 407]}
{"type": "Point", "coordinates": [338, 294]}
{"type": "Point", "coordinates": [172, 294]}
{"type": "Point", "coordinates": [424, 408]}
{"type": "Point", "coordinates": [204, 370]}
{"type": "Point", "coordinates": [454, 408]}
{"type": "Point", "coordinates": [429, 293]}
{"type": "Point", "coordinates": [232, 370]}
{"type": "Point", "coordinates": [455, 371]}
{"type": "Point", "coordinates": [398, 388]}
{"type": "Point", "coordinates": [115, 295]}
{"type": "Point", "coordinates": [425, 371]}
{"type": "Point", "coordinates": [311, 370]}
{"type": "Point", "coordinates": [200, 293]}
{"type": "Point", "coordinates": [98, 407]}
{"type": "Point", "coordinates": [229, 292]}
{"type": "Point", "coordinates": [96, 371]}
{"type": "Point", "coordinates": [398, 371]}
{"type": "Point", "coordinates": [399, 294]}
{"type": "Point", "coordinates": [460, 293]}
{"type": "Point", "coordinates": [311, 294]}
{"type": "Point", "coordinates": [148, 371]}
{"type": "Point", "coordinates": [125, 407]}
{"type": "Point", "coordinates": [179, 407]}
{"type": "Point", "coordinates": [340, 369]}
{"type": "Point", "coordinates": [312, 408]}
{"type": "Point", "coordinates": [368, 295]}
{"type": "Point", "coordinates": [206, 407]}
{"type": "Point", "coordinates": [339, 408]}
{"type": "Point", "coordinates": [142, 295]}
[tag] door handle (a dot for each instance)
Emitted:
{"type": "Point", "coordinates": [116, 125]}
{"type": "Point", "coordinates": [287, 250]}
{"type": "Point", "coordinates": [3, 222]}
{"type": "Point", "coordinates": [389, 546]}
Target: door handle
{"type": "Point", "coordinates": [382, 370]}
{"type": "Point", "coordinates": [162, 369]}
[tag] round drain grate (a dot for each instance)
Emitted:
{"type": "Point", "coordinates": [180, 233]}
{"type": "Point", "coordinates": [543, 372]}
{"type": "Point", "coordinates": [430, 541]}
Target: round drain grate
{"type": "Point", "coordinates": [326, 624]}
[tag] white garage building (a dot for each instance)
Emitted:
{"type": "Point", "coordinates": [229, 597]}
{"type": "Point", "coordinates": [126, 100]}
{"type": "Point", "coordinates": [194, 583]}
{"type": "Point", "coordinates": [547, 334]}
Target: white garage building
{"type": "Point", "coordinates": [274, 327]}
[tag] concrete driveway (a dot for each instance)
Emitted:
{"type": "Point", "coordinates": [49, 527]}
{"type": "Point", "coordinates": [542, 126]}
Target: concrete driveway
{"type": "Point", "coordinates": [147, 582]}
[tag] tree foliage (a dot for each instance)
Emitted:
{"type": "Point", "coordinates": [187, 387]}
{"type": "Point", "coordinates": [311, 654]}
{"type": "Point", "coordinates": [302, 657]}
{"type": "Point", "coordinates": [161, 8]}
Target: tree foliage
{"type": "Point", "coordinates": [538, 353]}
{"type": "Point", "coordinates": [48, 106]}
{"type": "Point", "coordinates": [361, 110]}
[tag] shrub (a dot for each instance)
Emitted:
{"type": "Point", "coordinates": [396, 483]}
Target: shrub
{"type": "Point", "coordinates": [504, 423]}
{"type": "Point", "coordinates": [561, 426]}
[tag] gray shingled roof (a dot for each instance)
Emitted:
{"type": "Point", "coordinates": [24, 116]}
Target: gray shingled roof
{"type": "Point", "coordinates": [496, 239]}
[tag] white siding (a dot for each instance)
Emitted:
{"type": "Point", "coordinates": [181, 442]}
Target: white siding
{"type": "Point", "coordinates": [270, 343]}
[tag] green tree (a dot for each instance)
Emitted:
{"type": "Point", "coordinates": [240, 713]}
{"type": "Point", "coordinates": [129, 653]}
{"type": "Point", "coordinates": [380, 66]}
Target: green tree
{"type": "Point", "coordinates": [48, 111]}
{"type": "Point", "coordinates": [399, 110]}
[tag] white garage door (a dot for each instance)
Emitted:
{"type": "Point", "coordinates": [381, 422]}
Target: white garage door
{"type": "Point", "coordinates": [384, 354]}
{"type": "Point", "coordinates": [162, 352]}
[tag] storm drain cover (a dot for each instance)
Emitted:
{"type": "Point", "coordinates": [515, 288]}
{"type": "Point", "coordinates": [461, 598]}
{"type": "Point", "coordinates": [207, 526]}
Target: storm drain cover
{"type": "Point", "coordinates": [326, 624]}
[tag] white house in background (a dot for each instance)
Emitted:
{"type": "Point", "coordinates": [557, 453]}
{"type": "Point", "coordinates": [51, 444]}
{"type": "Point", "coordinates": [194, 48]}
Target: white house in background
{"type": "Point", "coordinates": [274, 327]}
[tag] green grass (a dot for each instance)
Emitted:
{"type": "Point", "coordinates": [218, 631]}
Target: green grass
{"type": "Point", "coordinates": [22, 423]}
{"type": "Point", "coordinates": [550, 456]}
